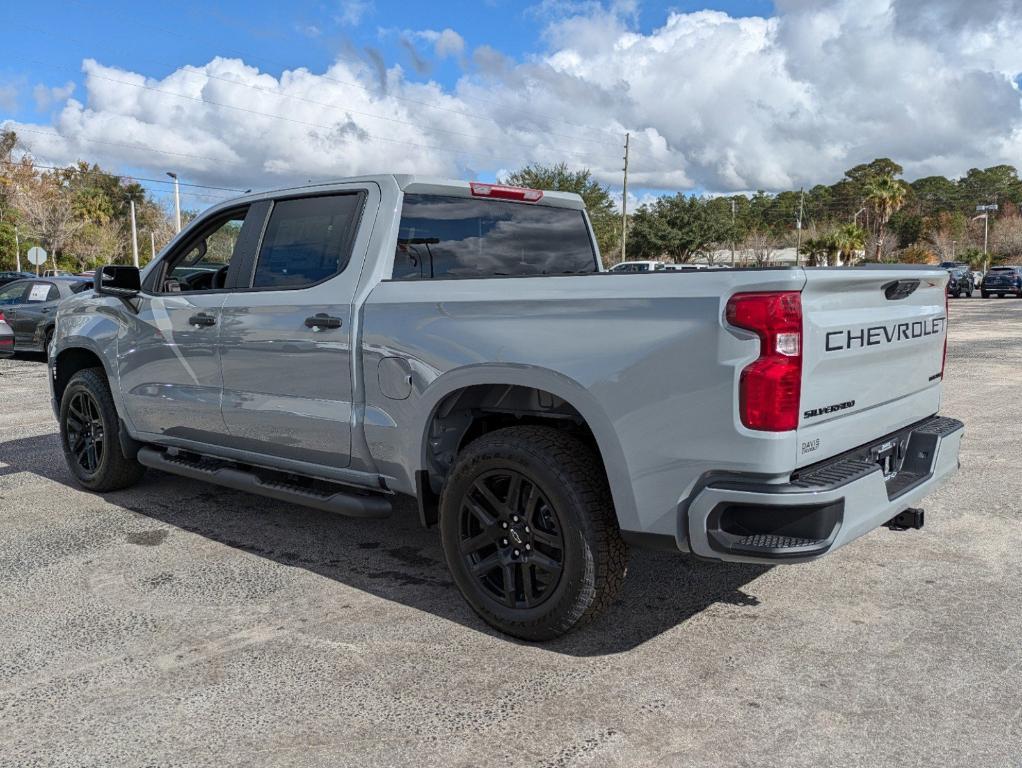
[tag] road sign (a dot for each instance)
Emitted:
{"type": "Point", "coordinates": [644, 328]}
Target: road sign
{"type": "Point", "coordinates": [37, 256]}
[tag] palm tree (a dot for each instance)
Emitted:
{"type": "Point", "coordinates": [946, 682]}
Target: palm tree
{"type": "Point", "coordinates": [849, 240]}
{"type": "Point", "coordinates": [886, 195]}
{"type": "Point", "coordinates": [820, 250]}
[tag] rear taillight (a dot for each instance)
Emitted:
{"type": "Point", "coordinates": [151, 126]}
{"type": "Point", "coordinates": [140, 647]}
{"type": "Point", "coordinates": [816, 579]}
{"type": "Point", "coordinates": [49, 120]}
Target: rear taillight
{"type": "Point", "coordinates": [500, 192]}
{"type": "Point", "coordinates": [2, 318]}
{"type": "Point", "coordinates": [770, 389]}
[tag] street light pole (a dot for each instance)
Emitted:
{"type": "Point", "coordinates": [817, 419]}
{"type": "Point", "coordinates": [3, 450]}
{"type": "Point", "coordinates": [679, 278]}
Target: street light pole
{"type": "Point", "coordinates": [732, 233]}
{"type": "Point", "coordinates": [177, 200]}
{"type": "Point", "coordinates": [134, 235]}
{"type": "Point", "coordinates": [798, 243]}
{"type": "Point", "coordinates": [624, 202]}
{"type": "Point", "coordinates": [986, 209]}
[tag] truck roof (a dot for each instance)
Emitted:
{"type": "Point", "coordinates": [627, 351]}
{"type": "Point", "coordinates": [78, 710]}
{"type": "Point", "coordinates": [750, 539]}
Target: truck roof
{"type": "Point", "coordinates": [425, 185]}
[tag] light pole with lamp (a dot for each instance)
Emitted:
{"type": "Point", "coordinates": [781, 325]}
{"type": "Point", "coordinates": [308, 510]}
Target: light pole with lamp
{"type": "Point", "coordinates": [177, 200]}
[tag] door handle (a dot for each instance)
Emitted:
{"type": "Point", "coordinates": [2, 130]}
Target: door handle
{"type": "Point", "coordinates": [201, 320]}
{"type": "Point", "coordinates": [321, 322]}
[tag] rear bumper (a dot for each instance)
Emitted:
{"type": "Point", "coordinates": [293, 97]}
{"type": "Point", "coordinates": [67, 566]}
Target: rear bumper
{"type": "Point", "coordinates": [824, 507]}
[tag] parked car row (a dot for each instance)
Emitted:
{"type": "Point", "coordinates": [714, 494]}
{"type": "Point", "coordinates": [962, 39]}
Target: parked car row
{"type": "Point", "coordinates": [28, 309]}
{"type": "Point", "coordinates": [998, 281]}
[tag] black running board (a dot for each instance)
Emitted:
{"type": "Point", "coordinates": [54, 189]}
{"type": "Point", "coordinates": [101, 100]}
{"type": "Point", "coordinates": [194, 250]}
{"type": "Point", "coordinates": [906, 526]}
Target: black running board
{"type": "Point", "coordinates": [329, 497]}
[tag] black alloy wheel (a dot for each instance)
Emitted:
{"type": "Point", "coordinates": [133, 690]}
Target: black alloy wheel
{"type": "Point", "coordinates": [530, 533]}
{"type": "Point", "coordinates": [86, 438]}
{"type": "Point", "coordinates": [511, 539]}
{"type": "Point", "coordinates": [90, 435]}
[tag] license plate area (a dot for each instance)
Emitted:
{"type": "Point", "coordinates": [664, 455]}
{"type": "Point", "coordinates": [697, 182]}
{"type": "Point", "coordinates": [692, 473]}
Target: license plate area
{"type": "Point", "coordinates": [890, 455]}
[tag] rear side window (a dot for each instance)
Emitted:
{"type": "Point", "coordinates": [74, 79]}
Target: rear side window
{"type": "Point", "coordinates": [308, 240]}
{"type": "Point", "coordinates": [463, 237]}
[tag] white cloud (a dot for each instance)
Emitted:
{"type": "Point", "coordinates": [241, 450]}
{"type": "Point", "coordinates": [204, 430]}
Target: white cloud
{"type": "Point", "coordinates": [713, 102]}
{"type": "Point", "coordinates": [9, 97]}
{"type": "Point", "coordinates": [45, 96]}
{"type": "Point", "coordinates": [351, 12]}
{"type": "Point", "coordinates": [448, 43]}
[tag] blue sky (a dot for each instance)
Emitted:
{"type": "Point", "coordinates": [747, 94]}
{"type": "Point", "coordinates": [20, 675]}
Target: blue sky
{"type": "Point", "coordinates": [45, 42]}
{"type": "Point", "coordinates": [718, 95]}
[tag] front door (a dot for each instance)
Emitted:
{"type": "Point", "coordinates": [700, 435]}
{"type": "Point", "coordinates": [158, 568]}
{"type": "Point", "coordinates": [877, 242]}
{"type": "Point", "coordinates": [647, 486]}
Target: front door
{"type": "Point", "coordinates": [287, 341]}
{"type": "Point", "coordinates": [169, 357]}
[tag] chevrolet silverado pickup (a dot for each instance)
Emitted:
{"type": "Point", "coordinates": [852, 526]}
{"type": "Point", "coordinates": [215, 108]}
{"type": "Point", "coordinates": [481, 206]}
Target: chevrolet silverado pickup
{"type": "Point", "coordinates": [340, 344]}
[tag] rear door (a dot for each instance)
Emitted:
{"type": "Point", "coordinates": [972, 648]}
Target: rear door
{"type": "Point", "coordinates": [872, 357]}
{"type": "Point", "coordinates": [286, 341]}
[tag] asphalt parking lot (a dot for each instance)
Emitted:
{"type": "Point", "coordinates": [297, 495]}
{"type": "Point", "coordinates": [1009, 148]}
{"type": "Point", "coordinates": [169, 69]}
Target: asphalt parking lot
{"type": "Point", "coordinates": [180, 624]}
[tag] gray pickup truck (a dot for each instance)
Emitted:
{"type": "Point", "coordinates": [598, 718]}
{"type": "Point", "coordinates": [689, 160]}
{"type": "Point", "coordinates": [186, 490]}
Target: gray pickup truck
{"type": "Point", "coordinates": [336, 345]}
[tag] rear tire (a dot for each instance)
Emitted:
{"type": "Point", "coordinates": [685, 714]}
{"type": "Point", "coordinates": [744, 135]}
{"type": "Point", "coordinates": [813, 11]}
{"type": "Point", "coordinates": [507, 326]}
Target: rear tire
{"type": "Point", "coordinates": [529, 532]}
{"type": "Point", "coordinates": [985, 295]}
{"type": "Point", "coordinates": [90, 435]}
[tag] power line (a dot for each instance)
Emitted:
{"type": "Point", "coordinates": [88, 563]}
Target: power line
{"type": "Point", "coordinates": [135, 178]}
{"type": "Point", "coordinates": [58, 135]}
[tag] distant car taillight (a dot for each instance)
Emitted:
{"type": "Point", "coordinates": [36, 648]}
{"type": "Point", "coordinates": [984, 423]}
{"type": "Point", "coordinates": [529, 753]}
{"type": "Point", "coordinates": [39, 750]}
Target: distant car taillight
{"type": "Point", "coordinates": [770, 389]}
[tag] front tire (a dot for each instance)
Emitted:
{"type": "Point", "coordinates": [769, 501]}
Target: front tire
{"type": "Point", "coordinates": [89, 435]}
{"type": "Point", "coordinates": [529, 532]}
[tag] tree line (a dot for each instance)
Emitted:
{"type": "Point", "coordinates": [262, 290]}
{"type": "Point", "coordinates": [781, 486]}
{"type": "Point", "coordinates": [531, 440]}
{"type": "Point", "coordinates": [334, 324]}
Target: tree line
{"type": "Point", "coordinates": [871, 214]}
{"type": "Point", "coordinates": [80, 214]}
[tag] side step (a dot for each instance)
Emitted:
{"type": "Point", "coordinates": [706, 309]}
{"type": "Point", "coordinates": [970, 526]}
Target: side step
{"type": "Point", "coordinates": [329, 497]}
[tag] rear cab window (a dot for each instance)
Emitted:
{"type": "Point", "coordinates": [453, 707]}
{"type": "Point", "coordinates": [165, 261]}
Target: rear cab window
{"type": "Point", "coordinates": [308, 240]}
{"type": "Point", "coordinates": [443, 237]}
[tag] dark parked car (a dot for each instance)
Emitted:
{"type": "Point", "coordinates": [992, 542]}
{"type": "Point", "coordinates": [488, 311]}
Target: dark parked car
{"type": "Point", "coordinates": [1001, 281]}
{"type": "Point", "coordinates": [30, 306]}
{"type": "Point", "coordinates": [961, 282]}
{"type": "Point", "coordinates": [6, 337]}
{"type": "Point", "coordinates": [10, 277]}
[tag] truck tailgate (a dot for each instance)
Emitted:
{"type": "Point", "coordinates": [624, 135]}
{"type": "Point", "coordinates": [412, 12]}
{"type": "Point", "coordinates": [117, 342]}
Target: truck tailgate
{"type": "Point", "coordinates": [872, 356]}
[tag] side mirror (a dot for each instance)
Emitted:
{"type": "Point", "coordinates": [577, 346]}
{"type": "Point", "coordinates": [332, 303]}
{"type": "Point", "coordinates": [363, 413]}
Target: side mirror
{"type": "Point", "coordinates": [122, 282]}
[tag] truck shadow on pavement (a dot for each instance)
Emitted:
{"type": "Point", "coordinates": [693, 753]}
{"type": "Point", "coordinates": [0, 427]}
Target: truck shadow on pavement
{"type": "Point", "coordinates": [396, 559]}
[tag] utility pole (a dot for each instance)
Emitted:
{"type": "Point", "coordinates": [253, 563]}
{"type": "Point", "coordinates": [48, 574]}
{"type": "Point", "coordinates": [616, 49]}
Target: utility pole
{"type": "Point", "coordinates": [177, 200]}
{"type": "Point", "coordinates": [152, 244]}
{"type": "Point", "coordinates": [732, 233]}
{"type": "Point", "coordinates": [17, 249]}
{"type": "Point", "coordinates": [134, 235]}
{"type": "Point", "coordinates": [953, 249]}
{"type": "Point", "coordinates": [624, 203]}
{"type": "Point", "coordinates": [798, 241]}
